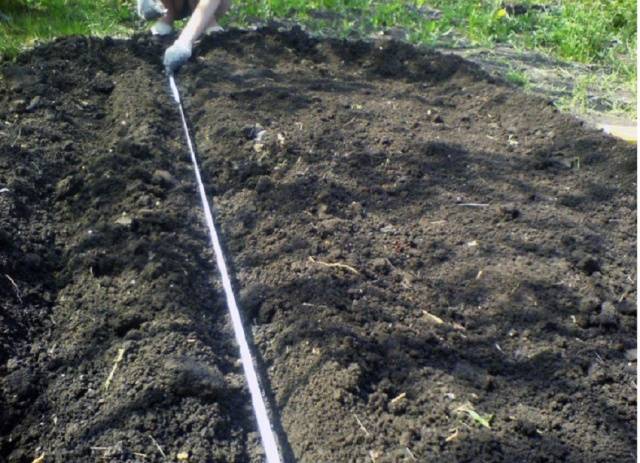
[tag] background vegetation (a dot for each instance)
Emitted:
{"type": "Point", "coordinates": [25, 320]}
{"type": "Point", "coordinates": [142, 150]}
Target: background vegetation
{"type": "Point", "coordinates": [594, 32]}
{"type": "Point", "coordinates": [25, 22]}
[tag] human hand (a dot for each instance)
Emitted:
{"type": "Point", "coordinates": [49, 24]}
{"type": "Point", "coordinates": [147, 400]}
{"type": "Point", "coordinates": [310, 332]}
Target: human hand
{"type": "Point", "coordinates": [176, 55]}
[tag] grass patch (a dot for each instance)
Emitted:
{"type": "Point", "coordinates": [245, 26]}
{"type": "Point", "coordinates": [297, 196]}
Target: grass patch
{"type": "Point", "coordinates": [598, 92]}
{"type": "Point", "coordinates": [26, 22]}
{"type": "Point", "coordinates": [518, 78]}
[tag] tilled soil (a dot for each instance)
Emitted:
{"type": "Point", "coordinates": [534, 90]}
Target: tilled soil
{"type": "Point", "coordinates": [434, 266]}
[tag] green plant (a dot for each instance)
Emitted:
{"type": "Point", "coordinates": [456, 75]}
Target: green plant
{"type": "Point", "coordinates": [482, 420]}
{"type": "Point", "coordinates": [518, 78]}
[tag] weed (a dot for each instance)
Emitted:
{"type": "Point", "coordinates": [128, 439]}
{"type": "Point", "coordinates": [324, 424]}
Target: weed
{"type": "Point", "coordinates": [518, 78]}
{"type": "Point", "coordinates": [484, 421]}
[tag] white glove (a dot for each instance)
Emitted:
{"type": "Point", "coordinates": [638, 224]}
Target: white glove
{"type": "Point", "coordinates": [176, 55]}
{"type": "Point", "coordinates": [150, 9]}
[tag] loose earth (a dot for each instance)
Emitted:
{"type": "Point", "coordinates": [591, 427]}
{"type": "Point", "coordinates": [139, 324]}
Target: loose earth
{"type": "Point", "coordinates": [433, 265]}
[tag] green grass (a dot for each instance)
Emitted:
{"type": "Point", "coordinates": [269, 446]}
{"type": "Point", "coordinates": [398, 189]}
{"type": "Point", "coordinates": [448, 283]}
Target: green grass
{"type": "Point", "coordinates": [593, 32]}
{"type": "Point", "coordinates": [26, 22]}
{"type": "Point", "coordinates": [518, 78]}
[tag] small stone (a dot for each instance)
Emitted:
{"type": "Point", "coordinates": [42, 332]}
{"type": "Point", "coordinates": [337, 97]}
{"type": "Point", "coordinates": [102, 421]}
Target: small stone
{"type": "Point", "coordinates": [18, 105]}
{"type": "Point", "coordinates": [189, 377]}
{"type": "Point", "coordinates": [163, 177]}
{"type": "Point", "coordinates": [12, 364]}
{"type": "Point", "coordinates": [589, 304]}
{"type": "Point", "coordinates": [16, 86]}
{"type": "Point", "coordinates": [398, 406]}
{"type": "Point", "coordinates": [50, 115]}
{"type": "Point", "coordinates": [125, 221]}
{"type": "Point", "coordinates": [356, 209]}
{"type": "Point", "coordinates": [380, 265]}
{"type": "Point", "coordinates": [599, 374]}
{"type": "Point", "coordinates": [583, 321]}
{"type": "Point", "coordinates": [618, 346]}
{"type": "Point", "coordinates": [608, 315]}
{"type": "Point", "coordinates": [102, 83]}
{"type": "Point", "coordinates": [631, 355]}
{"type": "Point", "coordinates": [526, 428]}
{"type": "Point", "coordinates": [627, 308]}
{"type": "Point", "coordinates": [509, 213]}
{"type": "Point", "coordinates": [68, 186]}
{"type": "Point", "coordinates": [251, 298]}
{"type": "Point", "coordinates": [251, 132]}
{"type": "Point", "coordinates": [20, 384]}
{"type": "Point", "coordinates": [438, 119]}
{"type": "Point", "coordinates": [406, 437]}
{"type": "Point", "coordinates": [263, 184]}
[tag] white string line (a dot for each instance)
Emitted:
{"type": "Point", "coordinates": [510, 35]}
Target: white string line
{"type": "Point", "coordinates": [259, 407]}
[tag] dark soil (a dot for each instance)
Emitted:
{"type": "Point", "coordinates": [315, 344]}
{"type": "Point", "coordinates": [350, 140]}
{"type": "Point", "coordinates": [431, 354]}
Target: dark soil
{"type": "Point", "coordinates": [490, 242]}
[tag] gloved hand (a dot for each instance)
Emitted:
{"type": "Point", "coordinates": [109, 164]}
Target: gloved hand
{"type": "Point", "coordinates": [150, 9]}
{"type": "Point", "coordinates": [176, 55]}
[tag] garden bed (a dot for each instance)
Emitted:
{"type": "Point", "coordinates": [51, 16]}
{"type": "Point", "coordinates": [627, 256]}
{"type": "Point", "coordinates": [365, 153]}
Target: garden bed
{"type": "Point", "coordinates": [434, 265]}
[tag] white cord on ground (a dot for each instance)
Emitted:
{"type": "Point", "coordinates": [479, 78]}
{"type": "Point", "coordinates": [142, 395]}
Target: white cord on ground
{"type": "Point", "coordinates": [264, 425]}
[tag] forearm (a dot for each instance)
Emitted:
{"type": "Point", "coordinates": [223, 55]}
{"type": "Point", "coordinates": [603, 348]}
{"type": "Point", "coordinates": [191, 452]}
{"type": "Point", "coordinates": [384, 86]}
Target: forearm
{"type": "Point", "coordinates": [198, 21]}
